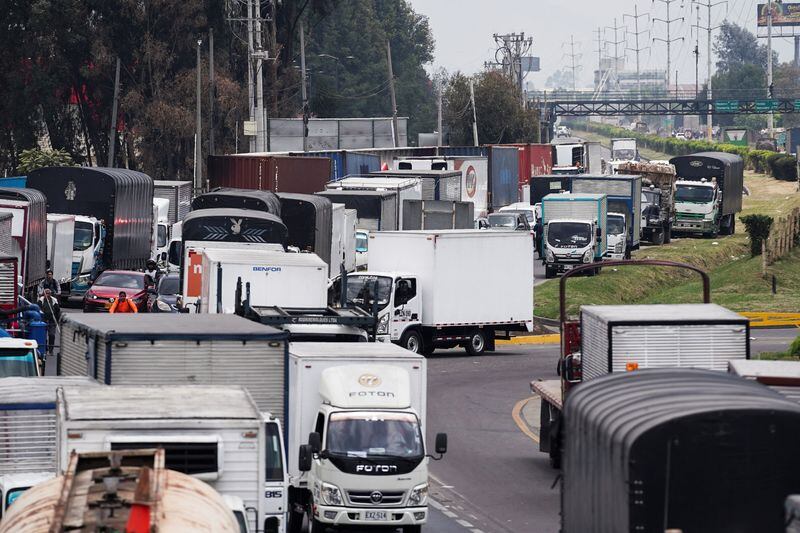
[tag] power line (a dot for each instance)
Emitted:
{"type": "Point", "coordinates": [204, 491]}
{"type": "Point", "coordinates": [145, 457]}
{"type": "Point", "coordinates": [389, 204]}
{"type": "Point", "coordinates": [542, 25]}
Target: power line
{"type": "Point", "coordinates": [511, 48]}
{"type": "Point", "coordinates": [669, 40]}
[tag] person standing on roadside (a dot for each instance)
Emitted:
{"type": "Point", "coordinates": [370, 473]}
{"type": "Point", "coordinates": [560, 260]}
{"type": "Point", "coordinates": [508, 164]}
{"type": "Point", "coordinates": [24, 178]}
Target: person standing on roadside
{"type": "Point", "coordinates": [49, 283]}
{"type": "Point", "coordinates": [51, 313]}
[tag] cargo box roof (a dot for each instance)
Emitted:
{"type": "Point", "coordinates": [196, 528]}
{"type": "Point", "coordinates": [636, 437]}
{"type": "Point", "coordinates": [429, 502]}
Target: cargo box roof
{"type": "Point", "coordinates": [22, 195]}
{"type": "Point", "coordinates": [419, 173]}
{"type": "Point", "coordinates": [350, 349]}
{"type": "Point", "coordinates": [173, 326]}
{"type": "Point", "coordinates": [37, 391]}
{"type": "Point", "coordinates": [231, 212]}
{"type": "Point", "coordinates": [157, 402]}
{"type": "Point", "coordinates": [259, 256]}
{"type": "Point", "coordinates": [170, 183]}
{"type": "Point", "coordinates": [227, 197]}
{"type": "Point", "coordinates": [354, 192]}
{"type": "Point", "coordinates": [675, 313]}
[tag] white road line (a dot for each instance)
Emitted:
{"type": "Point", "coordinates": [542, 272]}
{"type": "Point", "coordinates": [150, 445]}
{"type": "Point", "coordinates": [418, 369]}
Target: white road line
{"type": "Point", "coordinates": [464, 523]}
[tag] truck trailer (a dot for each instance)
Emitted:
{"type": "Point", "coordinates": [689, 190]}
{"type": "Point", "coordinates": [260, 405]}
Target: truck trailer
{"type": "Point", "coordinates": [308, 220]}
{"type": "Point", "coordinates": [658, 198]}
{"type": "Point", "coordinates": [29, 233]}
{"type": "Point", "coordinates": [174, 349]}
{"type": "Point", "coordinates": [429, 300]}
{"type": "Point", "coordinates": [376, 210]}
{"type": "Point", "coordinates": [405, 189]}
{"type": "Point", "coordinates": [229, 198]}
{"type": "Point", "coordinates": [474, 171]}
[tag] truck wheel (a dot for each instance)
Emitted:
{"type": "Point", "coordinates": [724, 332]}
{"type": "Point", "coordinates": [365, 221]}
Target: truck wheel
{"type": "Point", "coordinates": [732, 229]}
{"type": "Point", "coordinates": [295, 522]}
{"type": "Point", "coordinates": [658, 237]}
{"type": "Point", "coordinates": [476, 344]}
{"type": "Point", "coordinates": [549, 273]}
{"type": "Point", "coordinates": [627, 253]}
{"type": "Point", "coordinates": [412, 341]}
{"type": "Point", "coordinates": [667, 234]}
{"type": "Point", "coordinates": [315, 526]}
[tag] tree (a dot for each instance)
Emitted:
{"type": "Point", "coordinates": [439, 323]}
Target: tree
{"type": "Point", "coordinates": [501, 116]}
{"type": "Point", "coordinates": [736, 46]}
{"type": "Point", "coordinates": [560, 79]}
{"type": "Point", "coordinates": [30, 160]}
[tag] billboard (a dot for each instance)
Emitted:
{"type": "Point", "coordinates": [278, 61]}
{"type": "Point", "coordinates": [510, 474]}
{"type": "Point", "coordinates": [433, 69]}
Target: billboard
{"type": "Point", "coordinates": [785, 14]}
{"type": "Point", "coordinates": [735, 136]}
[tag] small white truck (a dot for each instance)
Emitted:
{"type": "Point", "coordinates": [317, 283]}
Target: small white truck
{"type": "Point", "coordinates": [214, 433]}
{"type": "Point", "coordinates": [616, 232]}
{"type": "Point", "coordinates": [447, 288]}
{"type": "Point", "coordinates": [356, 431]}
{"type": "Point", "coordinates": [574, 231]}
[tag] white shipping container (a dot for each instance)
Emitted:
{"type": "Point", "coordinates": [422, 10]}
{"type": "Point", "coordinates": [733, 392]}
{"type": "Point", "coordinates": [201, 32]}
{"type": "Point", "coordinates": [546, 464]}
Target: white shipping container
{"type": "Point", "coordinates": [406, 189]}
{"type": "Point", "coordinates": [350, 218]}
{"type": "Point", "coordinates": [467, 276]}
{"type": "Point", "coordinates": [307, 360]}
{"type": "Point", "coordinates": [275, 278]}
{"type": "Point", "coordinates": [60, 237]}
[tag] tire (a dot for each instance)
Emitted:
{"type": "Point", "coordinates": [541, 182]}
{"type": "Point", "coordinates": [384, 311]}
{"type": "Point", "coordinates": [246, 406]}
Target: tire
{"type": "Point", "coordinates": [549, 273]}
{"type": "Point", "coordinates": [658, 237]}
{"type": "Point", "coordinates": [315, 526]}
{"type": "Point", "coordinates": [295, 522]}
{"type": "Point", "coordinates": [476, 344]}
{"type": "Point", "coordinates": [627, 253]}
{"type": "Point", "coordinates": [412, 341]}
{"type": "Point", "coordinates": [733, 225]}
{"type": "Point", "coordinates": [668, 234]}
{"type": "Point", "coordinates": [412, 529]}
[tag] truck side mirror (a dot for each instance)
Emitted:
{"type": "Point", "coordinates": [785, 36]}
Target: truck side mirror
{"type": "Point", "coordinates": [441, 443]}
{"type": "Point", "coordinates": [304, 461]}
{"type": "Point", "coordinates": [598, 233]}
{"type": "Point", "coordinates": [315, 442]}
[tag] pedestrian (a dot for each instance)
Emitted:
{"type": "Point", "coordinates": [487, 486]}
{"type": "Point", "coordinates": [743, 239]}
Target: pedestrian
{"type": "Point", "coordinates": [51, 313]}
{"type": "Point", "coordinates": [49, 283]}
{"type": "Point", "coordinates": [153, 273]}
{"type": "Point", "coordinates": [123, 305]}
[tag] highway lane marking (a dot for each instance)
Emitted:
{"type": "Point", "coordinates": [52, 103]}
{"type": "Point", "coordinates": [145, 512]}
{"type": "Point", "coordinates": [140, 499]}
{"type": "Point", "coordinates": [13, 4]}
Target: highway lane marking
{"type": "Point", "coordinates": [516, 414]}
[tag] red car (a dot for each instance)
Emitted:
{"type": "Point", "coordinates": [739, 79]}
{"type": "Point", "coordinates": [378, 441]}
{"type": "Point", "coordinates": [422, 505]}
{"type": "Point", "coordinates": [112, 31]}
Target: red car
{"type": "Point", "coordinates": [109, 284]}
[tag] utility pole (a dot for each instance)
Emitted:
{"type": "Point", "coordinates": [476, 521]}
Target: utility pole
{"type": "Point", "coordinates": [112, 132]}
{"type": "Point", "coordinates": [697, 56]}
{"type": "Point", "coordinates": [572, 56]}
{"type": "Point", "coordinates": [439, 117]}
{"type": "Point", "coordinates": [474, 113]}
{"type": "Point", "coordinates": [770, 117]}
{"type": "Point", "coordinates": [198, 139]}
{"type": "Point", "coordinates": [708, 4]}
{"type": "Point", "coordinates": [304, 91]}
{"type": "Point", "coordinates": [250, 85]}
{"type": "Point", "coordinates": [616, 42]}
{"type": "Point", "coordinates": [395, 132]}
{"type": "Point", "coordinates": [669, 40]}
{"type": "Point", "coordinates": [637, 49]}
{"type": "Point", "coordinates": [261, 126]}
{"type": "Point", "coordinates": [211, 91]}
{"type": "Point", "coordinates": [511, 48]}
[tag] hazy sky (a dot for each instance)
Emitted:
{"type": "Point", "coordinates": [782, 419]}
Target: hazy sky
{"type": "Point", "coordinates": [463, 32]}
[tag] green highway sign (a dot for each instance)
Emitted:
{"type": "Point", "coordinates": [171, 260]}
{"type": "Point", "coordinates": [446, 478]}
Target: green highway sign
{"type": "Point", "coordinates": [766, 105]}
{"type": "Point", "coordinates": [726, 106]}
{"type": "Point", "coordinates": [797, 105]}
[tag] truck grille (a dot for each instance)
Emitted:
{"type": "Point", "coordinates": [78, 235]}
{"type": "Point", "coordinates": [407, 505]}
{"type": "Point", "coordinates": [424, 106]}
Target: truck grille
{"type": "Point", "coordinates": [690, 216]}
{"type": "Point", "coordinates": [364, 497]}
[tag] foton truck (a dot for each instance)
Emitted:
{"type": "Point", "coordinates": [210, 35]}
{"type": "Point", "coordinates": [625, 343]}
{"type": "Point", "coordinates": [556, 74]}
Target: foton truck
{"type": "Point", "coordinates": [443, 289]}
{"type": "Point", "coordinates": [708, 192]}
{"type": "Point", "coordinates": [574, 231]}
{"type": "Point", "coordinates": [356, 432]}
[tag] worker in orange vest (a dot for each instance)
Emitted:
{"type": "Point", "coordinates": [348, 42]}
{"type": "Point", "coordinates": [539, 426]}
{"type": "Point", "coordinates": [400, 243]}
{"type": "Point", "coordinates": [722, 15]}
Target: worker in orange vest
{"type": "Point", "coordinates": [123, 305]}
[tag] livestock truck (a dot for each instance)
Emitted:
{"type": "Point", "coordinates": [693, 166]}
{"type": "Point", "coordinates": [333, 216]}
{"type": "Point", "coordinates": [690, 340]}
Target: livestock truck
{"type": "Point", "coordinates": [446, 288]}
{"type": "Point", "coordinates": [708, 192]}
{"type": "Point", "coordinates": [113, 222]}
{"type": "Point", "coordinates": [658, 199]}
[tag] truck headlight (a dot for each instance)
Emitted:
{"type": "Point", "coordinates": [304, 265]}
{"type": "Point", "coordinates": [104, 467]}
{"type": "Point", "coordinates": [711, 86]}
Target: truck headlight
{"type": "Point", "coordinates": [588, 255]}
{"type": "Point", "coordinates": [383, 324]}
{"type": "Point", "coordinates": [549, 257]}
{"type": "Point", "coordinates": [330, 494]}
{"type": "Point", "coordinates": [418, 495]}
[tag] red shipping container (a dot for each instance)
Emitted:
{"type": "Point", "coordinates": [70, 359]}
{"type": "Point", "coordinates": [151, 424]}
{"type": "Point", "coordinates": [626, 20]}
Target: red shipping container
{"type": "Point", "coordinates": [305, 175]}
{"type": "Point", "coordinates": [534, 160]}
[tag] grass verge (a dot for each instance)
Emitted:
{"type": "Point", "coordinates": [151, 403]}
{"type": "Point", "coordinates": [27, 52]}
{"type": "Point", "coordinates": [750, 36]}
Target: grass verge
{"type": "Point", "coordinates": [736, 279]}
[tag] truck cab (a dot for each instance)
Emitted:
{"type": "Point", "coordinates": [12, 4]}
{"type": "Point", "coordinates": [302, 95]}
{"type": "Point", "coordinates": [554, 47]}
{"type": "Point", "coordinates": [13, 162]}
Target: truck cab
{"type": "Point", "coordinates": [362, 248]}
{"type": "Point", "coordinates": [570, 243]}
{"type": "Point", "coordinates": [617, 231]}
{"type": "Point", "coordinates": [159, 242]}
{"type": "Point", "coordinates": [366, 460]}
{"type": "Point", "coordinates": [87, 252]}
{"type": "Point", "coordinates": [698, 204]}
{"type": "Point", "coordinates": [19, 358]}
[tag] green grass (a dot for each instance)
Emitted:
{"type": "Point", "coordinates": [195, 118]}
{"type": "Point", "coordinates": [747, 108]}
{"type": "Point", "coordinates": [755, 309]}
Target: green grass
{"type": "Point", "coordinates": [736, 278]}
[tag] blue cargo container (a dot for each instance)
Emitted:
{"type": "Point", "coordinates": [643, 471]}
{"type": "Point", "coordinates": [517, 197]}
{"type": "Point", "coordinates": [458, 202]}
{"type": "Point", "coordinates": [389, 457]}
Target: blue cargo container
{"type": "Point", "coordinates": [16, 182]}
{"type": "Point", "coordinates": [463, 151]}
{"type": "Point", "coordinates": [503, 175]}
{"type": "Point", "coordinates": [346, 162]}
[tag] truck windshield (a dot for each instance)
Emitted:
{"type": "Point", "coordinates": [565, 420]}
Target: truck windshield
{"type": "Point", "coordinates": [616, 225]}
{"type": "Point", "coordinates": [175, 252]}
{"type": "Point", "coordinates": [501, 220]}
{"type": "Point", "coordinates": [361, 290]}
{"type": "Point", "coordinates": [84, 235]}
{"type": "Point", "coordinates": [17, 362]}
{"type": "Point", "coordinates": [694, 194]}
{"type": "Point", "coordinates": [649, 197]}
{"type": "Point", "coordinates": [569, 234]}
{"type": "Point", "coordinates": [528, 215]}
{"type": "Point", "coordinates": [624, 154]}
{"type": "Point", "coordinates": [370, 434]}
{"type": "Point", "coordinates": [361, 242]}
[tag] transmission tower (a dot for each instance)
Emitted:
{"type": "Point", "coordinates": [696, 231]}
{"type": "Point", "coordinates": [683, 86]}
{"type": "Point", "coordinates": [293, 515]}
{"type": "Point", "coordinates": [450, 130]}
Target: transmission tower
{"type": "Point", "coordinates": [572, 56]}
{"type": "Point", "coordinates": [669, 40]}
{"type": "Point", "coordinates": [709, 28]}
{"type": "Point", "coordinates": [636, 49]}
{"type": "Point", "coordinates": [616, 42]}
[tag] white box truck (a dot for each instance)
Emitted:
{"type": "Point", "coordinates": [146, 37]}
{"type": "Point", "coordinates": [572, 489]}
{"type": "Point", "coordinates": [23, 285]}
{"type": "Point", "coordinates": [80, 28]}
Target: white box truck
{"type": "Point", "coordinates": [60, 238]}
{"type": "Point", "coordinates": [447, 288]}
{"type": "Point", "coordinates": [343, 235]}
{"type": "Point", "coordinates": [275, 278]}
{"type": "Point", "coordinates": [360, 407]}
{"type": "Point", "coordinates": [216, 434]}
{"type": "Point", "coordinates": [405, 188]}
{"type": "Point", "coordinates": [574, 231]}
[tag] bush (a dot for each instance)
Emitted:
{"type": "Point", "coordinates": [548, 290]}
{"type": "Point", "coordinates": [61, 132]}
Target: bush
{"type": "Point", "coordinates": [794, 348]}
{"type": "Point", "coordinates": [785, 168]}
{"type": "Point", "coordinates": [757, 227]}
{"type": "Point", "coordinates": [30, 160]}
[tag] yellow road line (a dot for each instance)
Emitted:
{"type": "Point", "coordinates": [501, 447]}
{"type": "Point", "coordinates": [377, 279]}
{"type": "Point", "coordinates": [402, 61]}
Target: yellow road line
{"type": "Point", "coordinates": [516, 414]}
{"type": "Point", "coordinates": [552, 338]}
{"type": "Point", "coordinates": [765, 320]}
